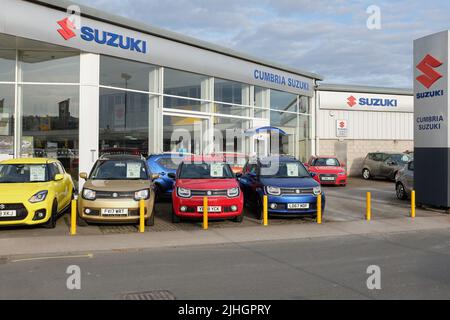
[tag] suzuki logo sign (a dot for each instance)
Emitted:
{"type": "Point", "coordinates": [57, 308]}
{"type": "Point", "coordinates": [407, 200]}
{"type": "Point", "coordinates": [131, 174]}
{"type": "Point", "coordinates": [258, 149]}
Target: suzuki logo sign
{"type": "Point", "coordinates": [67, 28]}
{"type": "Point", "coordinates": [427, 67]}
{"type": "Point", "coordinates": [351, 101]}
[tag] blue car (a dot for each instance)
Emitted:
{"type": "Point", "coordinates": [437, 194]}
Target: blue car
{"type": "Point", "coordinates": [164, 164]}
{"type": "Point", "coordinates": [290, 188]}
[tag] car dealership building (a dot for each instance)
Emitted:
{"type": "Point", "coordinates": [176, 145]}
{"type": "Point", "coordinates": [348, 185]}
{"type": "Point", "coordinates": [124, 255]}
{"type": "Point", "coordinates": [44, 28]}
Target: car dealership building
{"type": "Point", "coordinates": [76, 88]}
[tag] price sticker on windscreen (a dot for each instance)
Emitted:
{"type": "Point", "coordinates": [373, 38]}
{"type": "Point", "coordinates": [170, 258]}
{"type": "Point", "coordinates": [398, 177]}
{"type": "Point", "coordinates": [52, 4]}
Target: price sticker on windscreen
{"type": "Point", "coordinates": [292, 169]}
{"type": "Point", "coordinates": [217, 170]}
{"type": "Point", "coordinates": [37, 173]}
{"type": "Point", "coordinates": [133, 170]}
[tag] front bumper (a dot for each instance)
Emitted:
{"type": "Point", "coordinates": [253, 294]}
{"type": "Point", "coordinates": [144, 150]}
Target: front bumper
{"type": "Point", "coordinates": [339, 181]}
{"type": "Point", "coordinates": [193, 203]}
{"type": "Point", "coordinates": [95, 207]}
{"type": "Point", "coordinates": [27, 213]}
{"type": "Point", "coordinates": [282, 203]}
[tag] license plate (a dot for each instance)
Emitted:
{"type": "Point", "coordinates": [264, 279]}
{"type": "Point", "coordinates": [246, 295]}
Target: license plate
{"type": "Point", "coordinates": [114, 212]}
{"type": "Point", "coordinates": [8, 213]}
{"type": "Point", "coordinates": [298, 206]}
{"type": "Point", "coordinates": [327, 178]}
{"type": "Point", "coordinates": [210, 209]}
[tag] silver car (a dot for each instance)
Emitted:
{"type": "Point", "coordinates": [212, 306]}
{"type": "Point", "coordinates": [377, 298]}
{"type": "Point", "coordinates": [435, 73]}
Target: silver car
{"type": "Point", "coordinates": [382, 164]}
{"type": "Point", "coordinates": [404, 181]}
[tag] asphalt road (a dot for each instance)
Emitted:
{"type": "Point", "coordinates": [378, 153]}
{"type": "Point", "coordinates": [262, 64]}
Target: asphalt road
{"type": "Point", "coordinates": [413, 265]}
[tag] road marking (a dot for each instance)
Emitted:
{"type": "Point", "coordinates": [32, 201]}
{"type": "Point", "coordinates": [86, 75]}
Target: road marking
{"type": "Point", "coordinates": [89, 256]}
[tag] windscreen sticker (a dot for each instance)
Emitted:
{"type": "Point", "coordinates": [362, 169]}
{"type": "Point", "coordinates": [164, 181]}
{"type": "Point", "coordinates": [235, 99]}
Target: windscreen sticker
{"type": "Point", "coordinates": [37, 173]}
{"type": "Point", "coordinates": [134, 170]}
{"type": "Point", "coordinates": [292, 169]}
{"type": "Point", "coordinates": [331, 162]}
{"type": "Point", "coordinates": [217, 170]}
{"type": "Point", "coordinates": [405, 158]}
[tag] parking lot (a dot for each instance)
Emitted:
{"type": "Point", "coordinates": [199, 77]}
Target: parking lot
{"type": "Point", "coordinates": [342, 204]}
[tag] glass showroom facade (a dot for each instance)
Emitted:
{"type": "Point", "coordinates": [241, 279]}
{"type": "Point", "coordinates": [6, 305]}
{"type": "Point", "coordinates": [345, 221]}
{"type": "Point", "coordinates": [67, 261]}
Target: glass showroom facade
{"type": "Point", "coordinates": [199, 114]}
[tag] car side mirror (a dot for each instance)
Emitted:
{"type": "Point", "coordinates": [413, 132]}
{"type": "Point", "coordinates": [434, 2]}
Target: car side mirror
{"type": "Point", "coordinates": [172, 176]}
{"type": "Point", "coordinates": [312, 174]}
{"type": "Point", "coordinates": [392, 163]}
{"type": "Point", "coordinates": [239, 175]}
{"type": "Point", "coordinates": [155, 176]}
{"type": "Point", "coordinates": [83, 175]}
{"type": "Point", "coordinates": [59, 177]}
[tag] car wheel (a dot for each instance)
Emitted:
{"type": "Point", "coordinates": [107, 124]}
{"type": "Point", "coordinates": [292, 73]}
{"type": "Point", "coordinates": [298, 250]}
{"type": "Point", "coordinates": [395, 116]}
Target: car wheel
{"type": "Point", "coordinates": [258, 208]}
{"type": "Point", "coordinates": [158, 191]}
{"type": "Point", "coordinates": [150, 222]}
{"type": "Point", "coordinates": [175, 218]}
{"type": "Point", "coordinates": [51, 223]}
{"type": "Point", "coordinates": [239, 218]}
{"type": "Point", "coordinates": [366, 174]}
{"type": "Point", "coordinates": [401, 192]}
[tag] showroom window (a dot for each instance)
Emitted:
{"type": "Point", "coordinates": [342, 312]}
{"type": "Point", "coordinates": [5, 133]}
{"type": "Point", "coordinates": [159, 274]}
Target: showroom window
{"type": "Point", "coordinates": [7, 65]}
{"type": "Point", "coordinates": [125, 74]}
{"type": "Point", "coordinates": [49, 66]}
{"type": "Point", "coordinates": [50, 123]}
{"type": "Point", "coordinates": [6, 120]}
{"type": "Point", "coordinates": [183, 84]}
{"type": "Point", "coordinates": [283, 101]}
{"type": "Point", "coordinates": [229, 134]}
{"type": "Point", "coordinates": [124, 122]}
{"type": "Point", "coordinates": [229, 92]}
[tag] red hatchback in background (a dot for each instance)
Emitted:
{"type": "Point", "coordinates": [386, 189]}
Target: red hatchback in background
{"type": "Point", "coordinates": [327, 170]}
{"type": "Point", "coordinates": [199, 177]}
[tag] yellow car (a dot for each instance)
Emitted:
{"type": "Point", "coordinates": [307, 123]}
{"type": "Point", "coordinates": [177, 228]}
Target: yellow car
{"type": "Point", "coordinates": [33, 192]}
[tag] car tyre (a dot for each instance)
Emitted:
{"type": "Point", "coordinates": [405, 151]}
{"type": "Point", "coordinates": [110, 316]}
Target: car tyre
{"type": "Point", "coordinates": [258, 208]}
{"type": "Point", "coordinates": [81, 222]}
{"type": "Point", "coordinates": [366, 174]}
{"type": "Point", "coordinates": [239, 218]}
{"type": "Point", "coordinates": [401, 192]}
{"type": "Point", "coordinates": [150, 222]}
{"type": "Point", "coordinates": [51, 223]}
{"type": "Point", "coordinates": [175, 218]}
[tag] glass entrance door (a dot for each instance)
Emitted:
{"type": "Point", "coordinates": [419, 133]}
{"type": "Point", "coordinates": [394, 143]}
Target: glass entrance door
{"type": "Point", "coordinates": [185, 134]}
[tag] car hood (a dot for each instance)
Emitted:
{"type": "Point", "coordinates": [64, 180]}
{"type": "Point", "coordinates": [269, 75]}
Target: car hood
{"type": "Point", "coordinates": [207, 184]}
{"type": "Point", "coordinates": [290, 182]}
{"type": "Point", "coordinates": [327, 170]}
{"type": "Point", "coordinates": [117, 185]}
{"type": "Point", "coordinates": [19, 192]}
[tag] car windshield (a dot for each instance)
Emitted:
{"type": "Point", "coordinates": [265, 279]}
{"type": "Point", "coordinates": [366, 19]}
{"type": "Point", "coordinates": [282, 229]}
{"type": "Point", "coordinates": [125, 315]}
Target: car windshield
{"type": "Point", "coordinates": [119, 170]}
{"type": "Point", "coordinates": [401, 158]}
{"type": "Point", "coordinates": [326, 162]}
{"type": "Point", "coordinates": [23, 173]}
{"type": "Point", "coordinates": [206, 170]}
{"type": "Point", "coordinates": [169, 164]}
{"type": "Point", "coordinates": [292, 169]}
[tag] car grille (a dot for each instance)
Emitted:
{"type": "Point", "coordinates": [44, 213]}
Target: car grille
{"type": "Point", "coordinates": [110, 195]}
{"type": "Point", "coordinates": [204, 193]}
{"type": "Point", "coordinates": [21, 211]}
{"type": "Point", "coordinates": [296, 191]}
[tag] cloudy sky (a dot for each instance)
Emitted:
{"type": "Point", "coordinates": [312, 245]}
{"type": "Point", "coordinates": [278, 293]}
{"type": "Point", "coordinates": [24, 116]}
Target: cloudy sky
{"type": "Point", "coordinates": [329, 37]}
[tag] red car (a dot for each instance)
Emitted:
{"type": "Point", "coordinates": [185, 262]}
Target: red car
{"type": "Point", "coordinates": [199, 177]}
{"type": "Point", "coordinates": [327, 170]}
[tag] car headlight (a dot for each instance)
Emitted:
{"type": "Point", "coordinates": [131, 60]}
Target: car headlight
{"type": "Point", "coordinates": [142, 195]}
{"type": "Point", "coordinates": [89, 194]}
{"type": "Point", "coordinates": [275, 191]}
{"type": "Point", "coordinates": [184, 193]}
{"type": "Point", "coordinates": [39, 197]}
{"type": "Point", "coordinates": [317, 190]}
{"type": "Point", "coordinates": [231, 193]}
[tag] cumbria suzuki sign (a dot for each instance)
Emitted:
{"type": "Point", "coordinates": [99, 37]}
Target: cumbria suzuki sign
{"type": "Point", "coordinates": [101, 37]}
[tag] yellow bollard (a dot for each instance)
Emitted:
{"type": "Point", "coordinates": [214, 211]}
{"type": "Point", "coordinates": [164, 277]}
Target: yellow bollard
{"type": "Point", "coordinates": [413, 204]}
{"type": "Point", "coordinates": [266, 211]}
{"type": "Point", "coordinates": [141, 216]}
{"type": "Point", "coordinates": [369, 207]}
{"type": "Point", "coordinates": [73, 218]}
{"type": "Point", "coordinates": [205, 213]}
{"type": "Point", "coordinates": [319, 209]}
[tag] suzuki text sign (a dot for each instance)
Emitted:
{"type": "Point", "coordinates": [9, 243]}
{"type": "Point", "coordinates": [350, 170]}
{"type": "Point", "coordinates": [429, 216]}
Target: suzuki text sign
{"type": "Point", "coordinates": [431, 112]}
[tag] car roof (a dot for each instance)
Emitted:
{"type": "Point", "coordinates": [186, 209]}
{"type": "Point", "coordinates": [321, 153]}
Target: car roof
{"type": "Point", "coordinates": [29, 161]}
{"type": "Point", "coordinates": [167, 155]}
{"type": "Point", "coordinates": [200, 159]}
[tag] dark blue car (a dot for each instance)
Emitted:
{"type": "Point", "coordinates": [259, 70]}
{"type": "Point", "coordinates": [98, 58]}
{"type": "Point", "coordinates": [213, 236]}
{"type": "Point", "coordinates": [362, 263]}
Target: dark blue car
{"type": "Point", "coordinates": [163, 164]}
{"type": "Point", "coordinates": [290, 188]}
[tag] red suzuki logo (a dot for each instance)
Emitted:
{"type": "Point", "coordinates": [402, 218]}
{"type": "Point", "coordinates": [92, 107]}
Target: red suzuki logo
{"type": "Point", "coordinates": [351, 101]}
{"type": "Point", "coordinates": [342, 124]}
{"type": "Point", "coordinates": [67, 28]}
{"type": "Point", "coordinates": [427, 66]}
